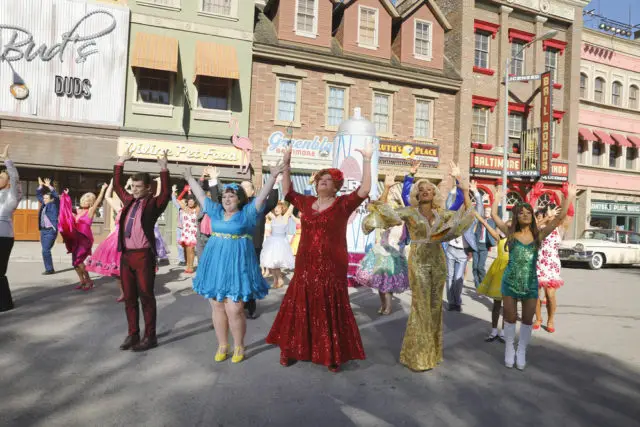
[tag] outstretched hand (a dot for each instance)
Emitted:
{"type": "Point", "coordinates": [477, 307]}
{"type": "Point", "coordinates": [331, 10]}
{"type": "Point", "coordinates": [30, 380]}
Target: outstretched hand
{"type": "Point", "coordinates": [415, 165]}
{"type": "Point", "coordinates": [212, 172]}
{"type": "Point", "coordinates": [474, 186]}
{"type": "Point", "coordinates": [572, 190]}
{"type": "Point", "coordinates": [66, 191]}
{"type": "Point", "coordinates": [389, 181]}
{"type": "Point", "coordinates": [278, 168]}
{"type": "Point", "coordinates": [286, 158]}
{"type": "Point", "coordinates": [5, 153]}
{"type": "Point", "coordinates": [367, 151]}
{"type": "Point", "coordinates": [163, 160]}
{"type": "Point", "coordinates": [128, 155]}
{"type": "Point", "coordinates": [187, 173]}
{"type": "Point", "coordinates": [454, 170]}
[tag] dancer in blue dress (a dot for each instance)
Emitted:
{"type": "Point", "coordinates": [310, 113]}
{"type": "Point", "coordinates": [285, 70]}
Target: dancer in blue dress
{"type": "Point", "coordinates": [229, 270]}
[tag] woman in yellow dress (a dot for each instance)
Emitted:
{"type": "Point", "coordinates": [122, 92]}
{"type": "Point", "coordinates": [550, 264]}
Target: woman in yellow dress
{"type": "Point", "coordinates": [295, 240]}
{"type": "Point", "coordinates": [429, 224]}
{"type": "Point", "coordinates": [492, 282]}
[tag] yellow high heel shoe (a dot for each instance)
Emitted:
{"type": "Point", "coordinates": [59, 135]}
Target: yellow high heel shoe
{"type": "Point", "coordinates": [222, 353]}
{"type": "Point", "coordinates": [238, 355]}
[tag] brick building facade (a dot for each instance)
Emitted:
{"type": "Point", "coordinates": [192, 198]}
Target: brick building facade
{"type": "Point", "coordinates": [315, 61]}
{"type": "Point", "coordinates": [485, 34]}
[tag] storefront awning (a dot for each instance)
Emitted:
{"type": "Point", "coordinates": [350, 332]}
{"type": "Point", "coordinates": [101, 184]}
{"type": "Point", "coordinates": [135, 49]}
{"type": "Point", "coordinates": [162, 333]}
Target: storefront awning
{"type": "Point", "coordinates": [634, 140]}
{"type": "Point", "coordinates": [586, 134]}
{"type": "Point", "coordinates": [604, 137]}
{"type": "Point", "coordinates": [155, 52]}
{"type": "Point", "coordinates": [216, 60]}
{"type": "Point", "coordinates": [621, 139]}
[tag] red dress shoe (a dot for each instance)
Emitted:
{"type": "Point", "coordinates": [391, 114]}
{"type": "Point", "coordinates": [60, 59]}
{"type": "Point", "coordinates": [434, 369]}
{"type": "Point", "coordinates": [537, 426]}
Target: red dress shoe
{"type": "Point", "coordinates": [146, 344]}
{"type": "Point", "coordinates": [130, 342]}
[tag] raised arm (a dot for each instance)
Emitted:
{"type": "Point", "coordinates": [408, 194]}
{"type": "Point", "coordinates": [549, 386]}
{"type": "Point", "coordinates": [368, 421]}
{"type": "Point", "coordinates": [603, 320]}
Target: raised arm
{"type": "Point", "coordinates": [462, 184]}
{"type": "Point", "coordinates": [492, 231]}
{"type": "Point", "coordinates": [92, 210]}
{"type": "Point", "coordinates": [162, 199]}
{"type": "Point", "coordinates": [494, 213]}
{"type": "Point", "coordinates": [39, 191]}
{"type": "Point", "coordinates": [118, 176]}
{"type": "Point", "coordinates": [276, 170]}
{"type": "Point", "coordinates": [555, 222]}
{"type": "Point", "coordinates": [365, 185]}
{"type": "Point", "coordinates": [14, 177]}
{"type": "Point", "coordinates": [479, 203]}
{"type": "Point", "coordinates": [197, 191]}
{"type": "Point", "coordinates": [286, 173]}
{"type": "Point", "coordinates": [289, 211]}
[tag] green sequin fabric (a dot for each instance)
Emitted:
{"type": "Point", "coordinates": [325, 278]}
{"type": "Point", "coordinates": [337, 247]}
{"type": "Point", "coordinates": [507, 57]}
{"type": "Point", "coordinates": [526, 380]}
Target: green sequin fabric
{"type": "Point", "coordinates": [520, 279]}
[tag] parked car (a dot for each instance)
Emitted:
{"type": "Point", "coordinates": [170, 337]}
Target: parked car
{"type": "Point", "coordinates": [599, 247]}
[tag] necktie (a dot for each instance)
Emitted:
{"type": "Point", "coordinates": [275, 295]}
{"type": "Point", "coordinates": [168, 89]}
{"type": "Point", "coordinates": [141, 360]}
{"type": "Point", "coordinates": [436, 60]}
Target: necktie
{"type": "Point", "coordinates": [132, 217]}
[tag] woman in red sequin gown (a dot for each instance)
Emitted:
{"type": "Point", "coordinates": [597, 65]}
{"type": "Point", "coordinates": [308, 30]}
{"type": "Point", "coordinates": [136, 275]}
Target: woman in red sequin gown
{"type": "Point", "coordinates": [315, 321]}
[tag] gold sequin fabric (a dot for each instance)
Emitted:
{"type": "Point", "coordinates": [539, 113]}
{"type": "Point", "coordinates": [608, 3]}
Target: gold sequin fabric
{"type": "Point", "coordinates": [422, 344]}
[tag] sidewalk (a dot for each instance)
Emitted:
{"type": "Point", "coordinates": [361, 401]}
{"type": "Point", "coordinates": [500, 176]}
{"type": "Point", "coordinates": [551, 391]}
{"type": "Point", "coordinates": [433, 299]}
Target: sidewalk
{"type": "Point", "coordinates": [32, 251]}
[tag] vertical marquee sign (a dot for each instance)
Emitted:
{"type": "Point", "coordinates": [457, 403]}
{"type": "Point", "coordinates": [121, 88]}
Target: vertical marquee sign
{"type": "Point", "coordinates": [545, 127]}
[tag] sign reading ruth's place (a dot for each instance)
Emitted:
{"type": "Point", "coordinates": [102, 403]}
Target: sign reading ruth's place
{"type": "Point", "coordinates": [63, 60]}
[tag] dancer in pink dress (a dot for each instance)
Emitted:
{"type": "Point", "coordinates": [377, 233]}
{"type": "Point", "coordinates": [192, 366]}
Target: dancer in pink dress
{"type": "Point", "coordinates": [106, 258]}
{"type": "Point", "coordinates": [548, 269]}
{"type": "Point", "coordinates": [76, 231]}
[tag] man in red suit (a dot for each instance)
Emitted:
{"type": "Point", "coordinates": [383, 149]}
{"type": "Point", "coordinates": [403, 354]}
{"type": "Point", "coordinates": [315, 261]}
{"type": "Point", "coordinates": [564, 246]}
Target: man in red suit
{"type": "Point", "coordinates": [137, 243]}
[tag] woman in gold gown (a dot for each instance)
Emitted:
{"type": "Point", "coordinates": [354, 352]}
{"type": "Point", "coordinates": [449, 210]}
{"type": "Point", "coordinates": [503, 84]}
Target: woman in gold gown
{"type": "Point", "coordinates": [429, 225]}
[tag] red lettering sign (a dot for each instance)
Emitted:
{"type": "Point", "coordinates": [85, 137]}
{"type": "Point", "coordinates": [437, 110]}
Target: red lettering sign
{"type": "Point", "coordinates": [546, 117]}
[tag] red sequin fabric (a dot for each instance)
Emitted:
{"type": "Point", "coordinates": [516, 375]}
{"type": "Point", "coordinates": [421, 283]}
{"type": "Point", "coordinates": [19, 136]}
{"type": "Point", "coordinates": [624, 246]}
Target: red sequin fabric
{"type": "Point", "coordinates": [315, 321]}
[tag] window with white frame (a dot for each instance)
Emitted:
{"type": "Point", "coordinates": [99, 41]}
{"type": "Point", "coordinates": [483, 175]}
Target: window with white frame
{"type": "Point", "coordinates": [382, 112]}
{"type": "Point", "coordinates": [551, 63]}
{"type": "Point", "coordinates": [213, 93]}
{"type": "Point", "coordinates": [516, 126]}
{"type": "Point", "coordinates": [543, 201]}
{"type": "Point", "coordinates": [583, 85]}
{"type": "Point", "coordinates": [154, 86]}
{"type": "Point", "coordinates": [616, 93]}
{"type": "Point", "coordinates": [287, 100]}
{"type": "Point", "coordinates": [614, 153]}
{"type": "Point", "coordinates": [481, 56]}
{"type": "Point", "coordinates": [336, 105]}
{"type": "Point", "coordinates": [632, 153]}
{"type": "Point", "coordinates": [517, 58]}
{"type": "Point", "coordinates": [479, 126]}
{"type": "Point", "coordinates": [633, 97]}
{"type": "Point", "coordinates": [598, 90]}
{"type": "Point", "coordinates": [582, 151]}
{"type": "Point", "coordinates": [218, 7]}
{"type": "Point", "coordinates": [597, 152]}
{"type": "Point", "coordinates": [307, 17]}
{"type": "Point", "coordinates": [422, 122]}
{"type": "Point", "coordinates": [513, 198]}
{"type": "Point", "coordinates": [422, 39]}
{"type": "Point", "coordinates": [368, 27]}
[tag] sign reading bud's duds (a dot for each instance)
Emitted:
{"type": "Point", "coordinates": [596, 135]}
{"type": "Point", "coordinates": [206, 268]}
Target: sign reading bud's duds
{"type": "Point", "coordinates": [63, 60]}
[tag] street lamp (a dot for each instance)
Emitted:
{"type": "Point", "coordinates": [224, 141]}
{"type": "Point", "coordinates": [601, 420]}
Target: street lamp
{"type": "Point", "coordinates": [505, 154]}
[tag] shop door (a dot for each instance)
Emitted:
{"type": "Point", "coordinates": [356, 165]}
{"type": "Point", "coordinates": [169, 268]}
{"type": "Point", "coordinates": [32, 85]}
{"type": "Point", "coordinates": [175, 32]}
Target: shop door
{"type": "Point", "coordinates": [25, 218]}
{"type": "Point", "coordinates": [25, 225]}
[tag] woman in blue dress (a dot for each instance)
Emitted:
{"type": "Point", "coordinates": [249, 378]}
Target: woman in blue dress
{"type": "Point", "coordinates": [229, 271]}
{"type": "Point", "coordinates": [520, 278]}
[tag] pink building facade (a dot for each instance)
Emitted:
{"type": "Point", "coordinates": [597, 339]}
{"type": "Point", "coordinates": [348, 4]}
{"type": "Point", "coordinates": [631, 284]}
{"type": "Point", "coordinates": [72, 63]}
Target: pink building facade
{"type": "Point", "coordinates": [609, 133]}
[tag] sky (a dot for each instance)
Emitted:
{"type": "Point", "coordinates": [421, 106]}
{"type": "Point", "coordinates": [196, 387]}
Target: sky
{"type": "Point", "coordinates": [614, 9]}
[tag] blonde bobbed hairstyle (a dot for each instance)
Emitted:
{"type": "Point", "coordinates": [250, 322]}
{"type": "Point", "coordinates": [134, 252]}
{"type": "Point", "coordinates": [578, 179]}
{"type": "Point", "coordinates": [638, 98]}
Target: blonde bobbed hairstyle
{"type": "Point", "coordinates": [89, 198]}
{"type": "Point", "coordinates": [438, 200]}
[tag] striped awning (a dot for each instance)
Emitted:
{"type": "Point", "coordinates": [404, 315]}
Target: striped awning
{"type": "Point", "coordinates": [621, 139]}
{"type": "Point", "coordinates": [586, 134]}
{"type": "Point", "coordinates": [155, 52]}
{"type": "Point", "coordinates": [216, 60]}
{"type": "Point", "coordinates": [604, 137]}
{"type": "Point", "coordinates": [634, 140]}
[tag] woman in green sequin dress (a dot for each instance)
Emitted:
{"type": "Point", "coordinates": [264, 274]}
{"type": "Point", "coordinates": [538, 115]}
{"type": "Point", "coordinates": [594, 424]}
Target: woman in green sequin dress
{"type": "Point", "coordinates": [429, 225]}
{"type": "Point", "coordinates": [520, 279]}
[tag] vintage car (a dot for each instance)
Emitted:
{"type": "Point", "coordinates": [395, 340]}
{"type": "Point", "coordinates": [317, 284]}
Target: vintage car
{"type": "Point", "coordinates": [599, 247]}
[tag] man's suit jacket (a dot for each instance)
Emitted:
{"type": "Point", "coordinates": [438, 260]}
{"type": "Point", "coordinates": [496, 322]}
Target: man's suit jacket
{"type": "Point", "coordinates": [51, 210]}
{"type": "Point", "coordinates": [152, 210]}
{"type": "Point", "coordinates": [488, 239]}
{"type": "Point", "coordinates": [269, 204]}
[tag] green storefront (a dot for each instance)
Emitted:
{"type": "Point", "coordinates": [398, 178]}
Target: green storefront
{"type": "Point", "coordinates": [619, 215]}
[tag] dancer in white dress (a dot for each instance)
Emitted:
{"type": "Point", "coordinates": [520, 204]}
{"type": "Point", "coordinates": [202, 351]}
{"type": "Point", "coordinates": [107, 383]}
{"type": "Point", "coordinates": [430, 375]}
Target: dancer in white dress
{"type": "Point", "coordinates": [276, 251]}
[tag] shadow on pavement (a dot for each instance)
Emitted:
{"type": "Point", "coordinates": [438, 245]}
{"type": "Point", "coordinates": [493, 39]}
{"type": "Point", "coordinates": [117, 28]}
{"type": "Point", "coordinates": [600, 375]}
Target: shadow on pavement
{"type": "Point", "coordinates": [60, 366]}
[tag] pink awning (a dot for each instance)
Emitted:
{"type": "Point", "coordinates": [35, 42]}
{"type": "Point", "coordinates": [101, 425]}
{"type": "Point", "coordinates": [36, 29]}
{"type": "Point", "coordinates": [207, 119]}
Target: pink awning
{"type": "Point", "coordinates": [634, 139]}
{"type": "Point", "coordinates": [604, 137]}
{"type": "Point", "coordinates": [586, 134]}
{"type": "Point", "coordinates": [621, 139]}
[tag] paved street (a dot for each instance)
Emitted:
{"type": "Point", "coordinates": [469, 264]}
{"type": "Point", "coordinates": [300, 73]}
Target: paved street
{"type": "Point", "coordinates": [60, 364]}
